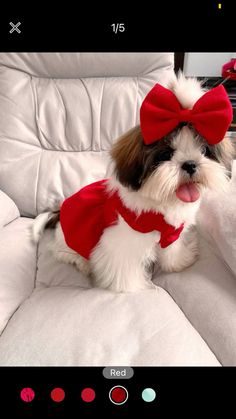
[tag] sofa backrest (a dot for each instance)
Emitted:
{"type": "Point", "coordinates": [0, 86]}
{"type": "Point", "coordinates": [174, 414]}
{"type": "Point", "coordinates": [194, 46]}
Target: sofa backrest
{"type": "Point", "coordinates": [59, 115]}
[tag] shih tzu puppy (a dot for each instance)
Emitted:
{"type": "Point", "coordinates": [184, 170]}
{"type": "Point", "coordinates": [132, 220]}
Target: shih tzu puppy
{"type": "Point", "coordinates": [115, 229]}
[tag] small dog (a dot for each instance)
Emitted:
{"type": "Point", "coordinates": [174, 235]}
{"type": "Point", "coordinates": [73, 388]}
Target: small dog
{"type": "Point", "coordinates": [116, 229]}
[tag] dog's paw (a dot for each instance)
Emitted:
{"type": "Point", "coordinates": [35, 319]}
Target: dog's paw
{"type": "Point", "coordinates": [83, 266]}
{"type": "Point", "coordinates": [187, 259]}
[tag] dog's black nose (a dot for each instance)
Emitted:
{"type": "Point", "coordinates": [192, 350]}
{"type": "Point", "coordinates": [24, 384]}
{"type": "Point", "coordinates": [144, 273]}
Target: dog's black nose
{"type": "Point", "coordinates": [190, 167]}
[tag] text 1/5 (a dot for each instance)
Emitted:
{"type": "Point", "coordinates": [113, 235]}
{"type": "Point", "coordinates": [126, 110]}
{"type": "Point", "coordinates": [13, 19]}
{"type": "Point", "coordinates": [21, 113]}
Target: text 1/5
{"type": "Point", "coordinates": [118, 27]}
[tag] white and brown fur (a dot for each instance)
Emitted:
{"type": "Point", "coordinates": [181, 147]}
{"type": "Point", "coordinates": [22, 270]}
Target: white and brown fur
{"type": "Point", "coordinates": [146, 178]}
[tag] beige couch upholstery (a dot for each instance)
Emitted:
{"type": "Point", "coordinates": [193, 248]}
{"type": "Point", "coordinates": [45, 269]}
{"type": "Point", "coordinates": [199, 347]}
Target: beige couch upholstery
{"type": "Point", "coordinates": [59, 115]}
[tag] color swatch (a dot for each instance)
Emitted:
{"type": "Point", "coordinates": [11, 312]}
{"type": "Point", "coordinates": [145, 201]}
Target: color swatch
{"type": "Point", "coordinates": [88, 395]}
{"type": "Point", "coordinates": [27, 394]}
{"type": "Point", "coordinates": [57, 395]}
{"type": "Point", "coordinates": [148, 395]}
{"type": "Point", "coordinates": [118, 395]}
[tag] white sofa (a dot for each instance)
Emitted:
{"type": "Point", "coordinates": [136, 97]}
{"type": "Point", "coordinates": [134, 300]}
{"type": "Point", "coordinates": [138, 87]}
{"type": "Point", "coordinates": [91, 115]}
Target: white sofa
{"type": "Point", "coordinates": [59, 114]}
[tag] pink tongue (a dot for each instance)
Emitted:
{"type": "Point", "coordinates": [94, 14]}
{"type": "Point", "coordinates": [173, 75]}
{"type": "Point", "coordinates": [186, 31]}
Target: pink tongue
{"type": "Point", "coordinates": [188, 192]}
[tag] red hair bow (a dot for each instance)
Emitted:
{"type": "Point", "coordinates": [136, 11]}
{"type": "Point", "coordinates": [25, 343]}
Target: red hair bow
{"type": "Point", "coordinates": [161, 112]}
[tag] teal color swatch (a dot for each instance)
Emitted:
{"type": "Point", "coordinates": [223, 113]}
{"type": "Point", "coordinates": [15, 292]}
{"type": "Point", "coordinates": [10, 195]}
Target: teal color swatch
{"type": "Point", "coordinates": [148, 395]}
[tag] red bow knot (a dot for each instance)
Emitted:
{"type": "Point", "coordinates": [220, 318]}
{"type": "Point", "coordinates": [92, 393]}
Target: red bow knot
{"type": "Point", "coordinates": [161, 113]}
{"type": "Point", "coordinates": [184, 115]}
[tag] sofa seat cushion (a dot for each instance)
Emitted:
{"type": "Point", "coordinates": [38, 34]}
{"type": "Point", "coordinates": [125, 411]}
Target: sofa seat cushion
{"type": "Point", "coordinates": [17, 267]}
{"type": "Point", "coordinates": [66, 322]}
{"type": "Point", "coordinates": [75, 326]}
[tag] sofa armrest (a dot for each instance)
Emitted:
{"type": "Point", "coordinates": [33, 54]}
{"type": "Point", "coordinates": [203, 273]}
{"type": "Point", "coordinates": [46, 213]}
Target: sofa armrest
{"type": "Point", "coordinates": [8, 209]}
{"type": "Point", "coordinates": [217, 221]}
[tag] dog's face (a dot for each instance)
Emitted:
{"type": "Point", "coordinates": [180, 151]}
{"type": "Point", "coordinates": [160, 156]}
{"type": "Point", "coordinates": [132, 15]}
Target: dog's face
{"type": "Point", "coordinates": [176, 168]}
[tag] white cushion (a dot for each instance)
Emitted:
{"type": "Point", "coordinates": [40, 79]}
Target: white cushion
{"type": "Point", "coordinates": [8, 209]}
{"type": "Point", "coordinates": [77, 65]}
{"type": "Point", "coordinates": [217, 220]}
{"type": "Point", "coordinates": [66, 322]}
{"type": "Point", "coordinates": [17, 267]}
{"type": "Point", "coordinates": [55, 132]}
{"type": "Point", "coordinates": [206, 292]}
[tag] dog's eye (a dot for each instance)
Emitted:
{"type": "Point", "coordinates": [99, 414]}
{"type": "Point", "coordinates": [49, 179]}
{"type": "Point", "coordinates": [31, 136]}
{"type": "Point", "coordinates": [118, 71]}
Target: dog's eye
{"type": "Point", "coordinates": [206, 151]}
{"type": "Point", "coordinates": [165, 155]}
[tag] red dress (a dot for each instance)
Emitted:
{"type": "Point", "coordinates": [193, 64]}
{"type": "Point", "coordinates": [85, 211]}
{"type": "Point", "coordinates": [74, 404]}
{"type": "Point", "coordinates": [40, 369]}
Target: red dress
{"type": "Point", "coordinates": [85, 215]}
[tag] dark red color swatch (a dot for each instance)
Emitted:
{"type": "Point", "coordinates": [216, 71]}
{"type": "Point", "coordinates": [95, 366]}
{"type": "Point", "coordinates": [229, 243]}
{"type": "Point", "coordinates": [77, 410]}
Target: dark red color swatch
{"type": "Point", "coordinates": [118, 395]}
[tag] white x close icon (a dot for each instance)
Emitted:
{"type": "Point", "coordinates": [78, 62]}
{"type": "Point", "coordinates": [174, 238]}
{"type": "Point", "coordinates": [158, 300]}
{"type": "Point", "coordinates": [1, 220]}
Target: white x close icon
{"type": "Point", "coordinates": [15, 27]}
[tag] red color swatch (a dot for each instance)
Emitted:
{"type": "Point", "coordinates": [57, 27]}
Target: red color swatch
{"type": "Point", "coordinates": [88, 394]}
{"type": "Point", "coordinates": [57, 395]}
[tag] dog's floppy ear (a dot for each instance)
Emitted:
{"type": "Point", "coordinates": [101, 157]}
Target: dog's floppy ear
{"type": "Point", "coordinates": [128, 154]}
{"type": "Point", "coordinates": [225, 151]}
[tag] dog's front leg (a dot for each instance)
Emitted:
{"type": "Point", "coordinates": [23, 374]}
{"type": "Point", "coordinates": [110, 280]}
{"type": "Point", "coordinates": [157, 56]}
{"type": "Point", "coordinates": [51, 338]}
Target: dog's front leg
{"type": "Point", "coordinates": [119, 262]}
{"type": "Point", "coordinates": [180, 254]}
